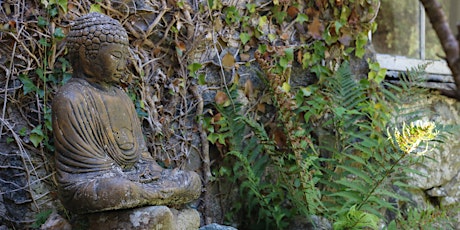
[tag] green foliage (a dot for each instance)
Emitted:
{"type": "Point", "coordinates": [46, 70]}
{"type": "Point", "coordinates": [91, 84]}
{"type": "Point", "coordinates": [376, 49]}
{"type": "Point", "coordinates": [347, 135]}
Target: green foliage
{"type": "Point", "coordinates": [95, 8]}
{"type": "Point", "coordinates": [376, 73]}
{"type": "Point", "coordinates": [41, 218]}
{"type": "Point", "coordinates": [429, 219]}
{"type": "Point", "coordinates": [53, 71]}
{"type": "Point", "coordinates": [337, 160]}
{"type": "Point", "coordinates": [262, 198]}
{"type": "Point", "coordinates": [343, 170]}
{"type": "Point", "coordinates": [355, 219]}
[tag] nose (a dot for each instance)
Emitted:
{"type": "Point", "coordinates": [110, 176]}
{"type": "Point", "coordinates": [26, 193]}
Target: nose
{"type": "Point", "coordinates": [122, 63]}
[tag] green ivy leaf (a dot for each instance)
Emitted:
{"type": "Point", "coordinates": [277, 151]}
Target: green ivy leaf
{"type": "Point", "coordinates": [262, 22]}
{"type": "Point", "coordinates": [23, 131]}
{"type": "Point", "coordinates": [43, 42]}
{"type": "Point", "coordinates": [42, 22]}
{"type": "Point", "coordinates": [301, 18]}
{"type": "Point", "coordinates": [279, 14]}
{"type": "Point", "coordinates": [41, 218]}
{"type": "Point", "coordinates": [306, 60]}
{"type": "Point", "coordinates": [345, 13]}
{"type": "Point", "coordinates": [35, 139]}
{"type": "Point", "coordinates": [41, 74]}
{"type": "Point", "coordinates": [251, 7]}
{"type": "Point", "coordinates": [95, 8]}
{"type": "Point", "coordinates": [53, 11]}
{"type": "Point", "coordinates": [28, 85]}
{"type": "Point", "coordinates": [36, 135]}
{"type": "Point", "coordinates": [37, 130]}
{"type": "Point", "coordinates": [59, 34]}
{"type": "Point", "coordinates": [192, 68]}
{"type": "Point", "coordinates": [289, 53]}
{"type": "Point", "coordinates": [214, 4]}
{"type": "Point", "coordinates": [65, 78]}
{"type": "Point", "coordinates": [245, 37]}
{"type": "Point", "coordinates": [60, 3]}
{"type": "Point", "coordinates": [262, 48]}
{"type": "Point", "coordinates": [232, 15]}
{"type": "Point", "coordinates": [284, 63]}
{"type": "Point", "coordinates": [271, 37]}
{"type": "Point", "coordinates": [361, 42]}
{"type": "Point", "coordinates": [202, 79]}
{"type": "Point", "coordinates": [212, 137]}
{"type": "Point", "coordinates": [286, 87]}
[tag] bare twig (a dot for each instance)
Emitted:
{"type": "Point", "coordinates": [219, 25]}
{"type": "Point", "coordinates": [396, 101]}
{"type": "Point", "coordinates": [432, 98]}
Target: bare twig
{"type": "Point", "coordinates": [8, 75]}
{"type": "Point", "coordinates": [204, 154]}
{"type": "Point", "coordinates": [24, 156]}
{"type": "Point", "coordinates": [449, 43]}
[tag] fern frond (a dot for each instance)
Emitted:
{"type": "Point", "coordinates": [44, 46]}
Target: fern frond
{"type": "Point", "coordinates": [344, 88]}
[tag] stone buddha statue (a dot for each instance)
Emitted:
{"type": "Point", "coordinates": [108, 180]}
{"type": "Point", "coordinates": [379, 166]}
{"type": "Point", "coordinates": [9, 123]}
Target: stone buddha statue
{"type": "Point", "coordinates": [102, 161]}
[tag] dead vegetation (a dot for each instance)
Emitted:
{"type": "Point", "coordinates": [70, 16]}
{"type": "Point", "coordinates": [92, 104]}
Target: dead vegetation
{"type": "Point", "coordinates": [33, 67]}
{"type": "Point", "coordinates": [180, 51]}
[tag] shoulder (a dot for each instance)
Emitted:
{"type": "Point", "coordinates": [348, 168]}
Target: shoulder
{"type": "Point", "coordinates": [73, 90]}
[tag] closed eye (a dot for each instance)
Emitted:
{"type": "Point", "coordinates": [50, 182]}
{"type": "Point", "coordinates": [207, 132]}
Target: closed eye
{"type": "Point", "coordinates": [116, 55]}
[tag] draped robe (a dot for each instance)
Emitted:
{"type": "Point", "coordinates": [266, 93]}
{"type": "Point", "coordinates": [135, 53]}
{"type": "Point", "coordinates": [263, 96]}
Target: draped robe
{"type": "Point", "coordinates": [97, 129]}
{"type": "Point", "coordinates": [101, 158]}
{"type": "Point", "coordinates": [97, 137]}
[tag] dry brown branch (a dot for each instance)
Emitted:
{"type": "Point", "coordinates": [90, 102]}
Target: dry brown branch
{"type": "Point", "coordinates": [24, 157]}
{"type": "Point", "coordinates": [16, 38]}
{"type": "Point", "coordinates": [204, 154]}
{"type": "Point", "coordinates": [8, 75]}
{"type": "Point", "coordinates": [157, 19]}
{"type": "Point", "coordinates": [448, 41]}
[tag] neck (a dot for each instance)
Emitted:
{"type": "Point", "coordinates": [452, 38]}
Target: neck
{"type": "Point", "coordinates": [104, 86]}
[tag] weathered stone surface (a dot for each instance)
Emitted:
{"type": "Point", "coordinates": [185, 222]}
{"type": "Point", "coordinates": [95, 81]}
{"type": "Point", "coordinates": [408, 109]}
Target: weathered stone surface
{"type": "Point", "coordinates": [186, 219]}
{"type": "Point", "coordinates": [152, 217]}
{"type": "Point", "coordinates": [155, 217]}
{"type": "Point", "coordinates": [56, 222]}
{"type": "Point", "coordinates": [314, 223]}
{"type": "Point", "coordinates": [441, 166]}
{"type": "Point", "coordinates": [217, 227]}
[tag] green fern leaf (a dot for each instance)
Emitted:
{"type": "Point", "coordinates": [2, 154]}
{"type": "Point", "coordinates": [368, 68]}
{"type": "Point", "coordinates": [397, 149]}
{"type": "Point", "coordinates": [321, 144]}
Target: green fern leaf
{"type": "Point", "coordinates": [357, 172]}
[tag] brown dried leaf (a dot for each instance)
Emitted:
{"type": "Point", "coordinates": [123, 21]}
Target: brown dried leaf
{"type": "Point", "coordinates": [180, 47]}
{"type": "Point", "coordinates": [245, 57]}
{"type": "Point", "coordinates": [228, 61]}
{"type": "Point", "coordinates": [321, 3]}
{"type": "Point", "coordinates": [218, 24]}
{"type": "Point", "coordinates": [284, 36]}
{"type": "Point", "coordinates": [292, 11]}
{"type": "Point", "coordinates": [248, 88]}
{"type": "Point", "coordinates": [299, 56]}
{"type": "Point", "coordinates": [215, 119]}
{"type": "Point", "coordinates": [316, 28]}
{"type": "Point", "coordinates": [261, 107]}
{"type": "Point", "coordinates": [353, 20]}
{"type": "Point", "coordinates": [339, 3]}
{"type": "Point", "coordinates": [221, 98]}
{"type": "Point", "coordinates": [12, 24]}
{"type": "Point", "coordinates": [279, 137]}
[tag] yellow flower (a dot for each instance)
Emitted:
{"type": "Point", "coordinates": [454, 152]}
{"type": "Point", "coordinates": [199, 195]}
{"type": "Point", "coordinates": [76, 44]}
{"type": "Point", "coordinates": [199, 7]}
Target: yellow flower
{"type": "Point", "coordinates": [411, 136]}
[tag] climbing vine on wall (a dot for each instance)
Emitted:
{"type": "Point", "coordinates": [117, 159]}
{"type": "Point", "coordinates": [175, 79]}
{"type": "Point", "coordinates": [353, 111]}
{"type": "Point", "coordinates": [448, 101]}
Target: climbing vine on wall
{"type": "Point", "coordinates": [184, 51]}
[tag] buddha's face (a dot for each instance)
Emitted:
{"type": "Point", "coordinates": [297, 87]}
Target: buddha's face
{"type": "Point", "coordinates": [109, 64]}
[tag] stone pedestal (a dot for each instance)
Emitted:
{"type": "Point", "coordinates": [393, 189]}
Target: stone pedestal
{"type": "Point", "coordinates": [152, 217]}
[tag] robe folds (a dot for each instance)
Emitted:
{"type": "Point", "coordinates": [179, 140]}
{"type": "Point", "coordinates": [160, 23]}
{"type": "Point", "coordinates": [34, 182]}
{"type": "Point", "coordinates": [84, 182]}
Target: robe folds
{"type": "Point", "coordinates": [97, 136]}
{"type": "Point", "coordinates": [101, 158]}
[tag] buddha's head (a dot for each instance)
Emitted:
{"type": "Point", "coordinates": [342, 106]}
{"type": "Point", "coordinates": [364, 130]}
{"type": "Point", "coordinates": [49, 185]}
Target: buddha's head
{"type": "Point", "coordinates": [98, 48]}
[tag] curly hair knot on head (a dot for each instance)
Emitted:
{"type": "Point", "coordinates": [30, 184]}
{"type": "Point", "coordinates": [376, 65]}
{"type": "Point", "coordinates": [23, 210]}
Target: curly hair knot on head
{"type": "Point", "coordinates": [91, 31]}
